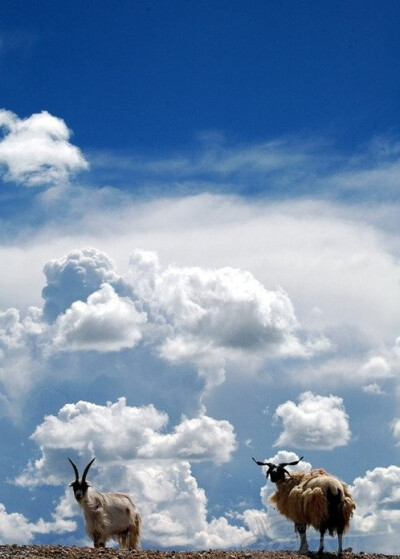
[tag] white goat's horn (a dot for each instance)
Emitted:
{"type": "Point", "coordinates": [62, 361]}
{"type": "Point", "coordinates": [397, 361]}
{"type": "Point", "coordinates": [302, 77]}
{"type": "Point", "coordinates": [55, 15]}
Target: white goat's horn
{"type": "Point", "coordinates": [87, 469]}
{"type": "Point", "coordinates": [75, 469]}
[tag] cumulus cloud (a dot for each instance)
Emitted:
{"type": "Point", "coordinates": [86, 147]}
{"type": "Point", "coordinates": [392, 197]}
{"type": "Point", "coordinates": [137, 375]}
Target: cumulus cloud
{"type": "Point", "coordinates": [376, 368]}
{"type": "Point", "coordinates": [395, 426]}
{"type": "Point", "coordinates": [213, 316]}
{"type": "Point", "coordinates": [15, 528]}
{"type": "Point", "coordinates": [74, 277]}
{"type": "Point", "coordinates": [214, 320]}
{"type": "Point", "coordinates": [225, 308]}
{"type": "Point", "coordinates": [106, 322]}
{"type": "Point", "coordinates": [317, 422]}
{"type": "Point", "coordinates": [174, 507]}
{"type": "Point", "coordinates": [20, 337]}
{"type": "Point", "coordinates": [119, 431]}
{"type": "Point", "coordinates": [198, 438]}
{"type": "Point", "coordinates": [36, 151]}
{"type": "Point", "coordinates": [377, 496]}
{"type": "Point", "coordinates": [374, 389]}
{"type": "Point", "coordinates": [137, 456]}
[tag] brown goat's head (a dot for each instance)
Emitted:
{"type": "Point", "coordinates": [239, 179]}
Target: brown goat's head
{"type": "Point", "coordinates": [277, 472]}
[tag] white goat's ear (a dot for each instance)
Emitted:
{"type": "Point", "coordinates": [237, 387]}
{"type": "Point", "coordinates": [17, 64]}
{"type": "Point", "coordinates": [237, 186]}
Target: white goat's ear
{"type": "Point", "coordinates": [89, 484]}
{"type": "Point", "coordinates": [71, 484]}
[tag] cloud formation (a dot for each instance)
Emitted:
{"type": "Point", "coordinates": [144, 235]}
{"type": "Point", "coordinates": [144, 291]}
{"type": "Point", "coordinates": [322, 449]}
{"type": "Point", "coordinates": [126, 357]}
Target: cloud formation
{"type": "Point", "coordinates": [15, 528]}
{"type": "Point", "coordinates": [20, 341]}
{"type": "Point", "coordinates": [209, 317]}
{"type": "Point", "coordinates": [135, 454]}
{"type": "Point", "coordinates": [377, 496]}
{"type": "Point", "coordinates": [213, 320]}
{"type": "Point", "coordinates": [104, 323]}
{"type": "Point", "coordinates": [36, 150]}
{"type": "Point", "coordinates": [317, 422]}
{"type": "Point", "coordinates": [118, 431]}
{"type": "Point", "coordinates": [225, 323]}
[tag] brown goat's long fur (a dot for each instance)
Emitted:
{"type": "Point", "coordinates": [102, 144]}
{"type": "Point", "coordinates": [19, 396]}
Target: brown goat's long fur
{"type": "Point", "coordinates": [304, 498]}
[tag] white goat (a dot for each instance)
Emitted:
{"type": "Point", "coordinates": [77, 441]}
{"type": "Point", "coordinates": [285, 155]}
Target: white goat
{"type": "Point", "coordinates": [313, 498]}
{"type": "Point", "coordinates": [107, 515]}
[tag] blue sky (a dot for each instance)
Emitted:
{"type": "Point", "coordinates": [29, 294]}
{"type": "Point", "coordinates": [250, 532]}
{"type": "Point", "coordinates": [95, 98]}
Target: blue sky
{"type": "Point", "coordinates": [199, 234]}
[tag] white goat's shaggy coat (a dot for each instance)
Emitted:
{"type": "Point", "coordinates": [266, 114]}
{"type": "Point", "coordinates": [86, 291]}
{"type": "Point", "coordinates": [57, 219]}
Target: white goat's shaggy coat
{"type": "Point", "coordinates": [111, 516]}
{"type": "Point", "coordinates": [107, 515]}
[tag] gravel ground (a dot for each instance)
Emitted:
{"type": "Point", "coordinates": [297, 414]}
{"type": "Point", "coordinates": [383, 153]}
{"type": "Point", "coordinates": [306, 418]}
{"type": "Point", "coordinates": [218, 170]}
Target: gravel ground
{"type": "Point", "coordinates": [63, 552]}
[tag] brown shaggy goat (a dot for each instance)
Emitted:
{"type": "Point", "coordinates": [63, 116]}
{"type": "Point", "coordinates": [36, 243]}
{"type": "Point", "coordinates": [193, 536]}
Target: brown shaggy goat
{"type": "Point", "coordinates": [313, 498]}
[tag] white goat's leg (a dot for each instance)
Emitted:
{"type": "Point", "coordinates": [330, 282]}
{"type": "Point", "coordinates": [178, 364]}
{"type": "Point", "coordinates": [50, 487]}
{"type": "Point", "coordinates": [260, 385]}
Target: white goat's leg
{"type": "Point", "coordinates": [301, 529]}
{"type": "Point", "coordinates": [134, 534]}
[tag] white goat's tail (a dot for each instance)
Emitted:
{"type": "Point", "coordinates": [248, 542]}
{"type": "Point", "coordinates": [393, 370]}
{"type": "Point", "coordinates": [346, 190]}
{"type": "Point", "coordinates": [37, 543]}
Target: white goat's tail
{"type": "Point", "coordinates": [134, 533]}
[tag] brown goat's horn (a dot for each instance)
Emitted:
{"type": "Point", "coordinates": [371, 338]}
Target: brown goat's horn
{"type": "Point", "coordinates": [283, 464]}
{"type": "Point", "coordinates": [263, 463]}
{"type": "Point", "coordinates": [87, 469]}
{"type": "Point", "coordinates": [75, 470]}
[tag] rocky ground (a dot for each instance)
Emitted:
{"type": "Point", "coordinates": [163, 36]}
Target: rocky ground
{"type": "Point", "coordinates": [63, 552]}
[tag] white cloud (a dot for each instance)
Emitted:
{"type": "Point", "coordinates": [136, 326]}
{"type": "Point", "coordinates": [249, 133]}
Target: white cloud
{"type": "Point", "coordinates": [74, 277]}
{"type": "Point", "coordinates": [136, 455]}
{"type": "Point", "coordinates": [317, 422]}
{"type": "Point", "coordinates": [19, 345]}
{"type": "Point", "coordinates": [118, 431]}
{"type": "Point", "coordinates": [174, 507]}
{"type": "Point", "coordinates": [198, 438]}
{"type": "Point", "coordinates": [377, 497]}
{"type": "Point", "coordinates": [373, 389]}
{"type": "Point", "coordinates": [15, 528]}
{"type": "Point", "coordinates": [395, 426]}
{"type": "Point", "coordinates": [217, 308]}
{"type": "Point", "coordinates": [212, 316]}
{"type": "Point", "coordinates": [215, 320]}
{"type": "Point", "coordinates": [376, 368]}
{"type": "Point", "coordinates": [105, 322]}
{"type": "Point", "coordinates": [36, 150]}
{"type": "Point", "coordinates": [225, 308]}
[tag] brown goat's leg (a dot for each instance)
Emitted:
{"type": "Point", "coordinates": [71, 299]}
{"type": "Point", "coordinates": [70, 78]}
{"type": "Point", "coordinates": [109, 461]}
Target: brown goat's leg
{"type": "Point", "coordinates": [301, 529]}
{"type": "Point", "coordinates": [340, 539]}
{"type": "Point", "coordinates": [321, 541]}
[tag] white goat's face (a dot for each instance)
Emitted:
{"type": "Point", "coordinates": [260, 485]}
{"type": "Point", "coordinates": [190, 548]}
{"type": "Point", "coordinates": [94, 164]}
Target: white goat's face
{"type": "Point", "coordinates": [80, 488]}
